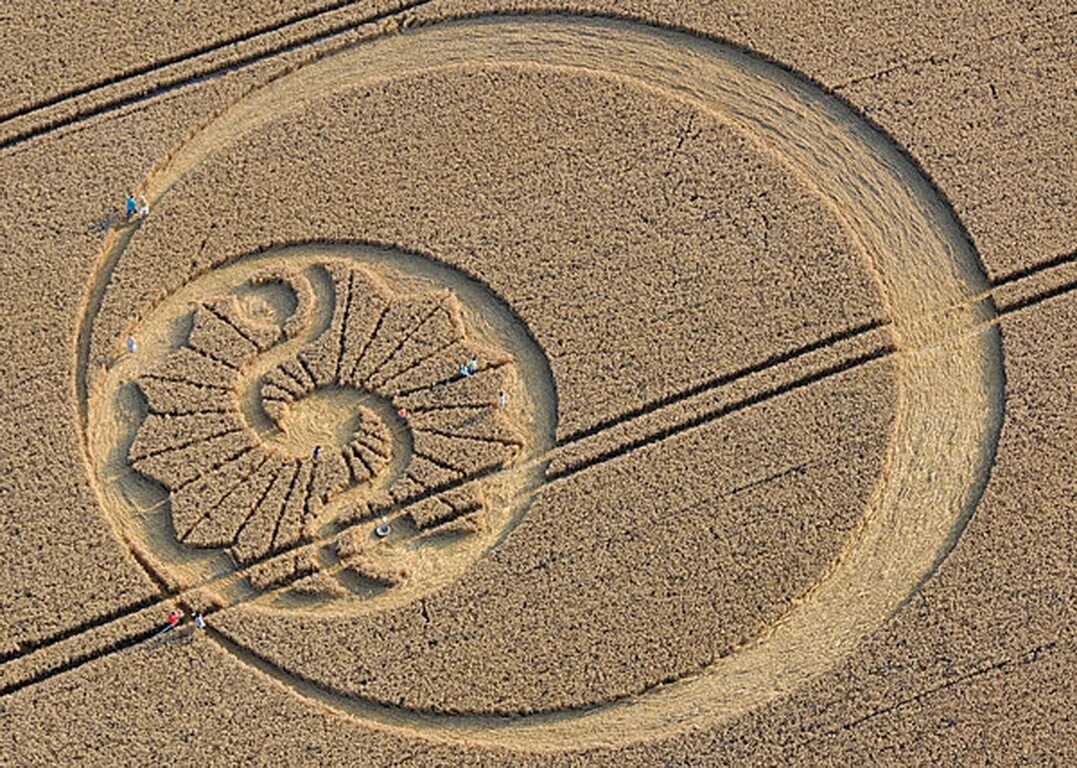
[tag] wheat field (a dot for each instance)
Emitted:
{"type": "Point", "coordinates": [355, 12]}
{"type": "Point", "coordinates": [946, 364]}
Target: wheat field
{"type": "Point", "coordinates": [538, 383]}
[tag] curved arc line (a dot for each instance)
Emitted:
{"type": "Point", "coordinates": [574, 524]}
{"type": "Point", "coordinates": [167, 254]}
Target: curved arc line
{"type": "Point", "coordinates": [983, 385]}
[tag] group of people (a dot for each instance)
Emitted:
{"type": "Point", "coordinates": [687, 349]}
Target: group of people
{"type": "Point", "coordinates": [175, 618]}
{"type": "Point", "coordinates": [469, 368]}
{"type": "Point", "coordinates": [137, 206]}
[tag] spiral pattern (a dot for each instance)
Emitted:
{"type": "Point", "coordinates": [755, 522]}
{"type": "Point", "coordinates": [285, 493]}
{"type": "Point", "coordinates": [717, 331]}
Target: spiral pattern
{"type": "Point", "coordinates": [397, 418]}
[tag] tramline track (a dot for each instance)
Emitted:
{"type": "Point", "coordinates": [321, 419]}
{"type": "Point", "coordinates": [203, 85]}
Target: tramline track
{"type": "Point", "coordinates": [872, 338]}
{"type": "Point", "coordinates": [24, 126]}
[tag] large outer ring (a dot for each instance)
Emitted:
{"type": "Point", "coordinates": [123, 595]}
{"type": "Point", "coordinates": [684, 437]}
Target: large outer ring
{"type": "Point", "coordinates": [949, 360]}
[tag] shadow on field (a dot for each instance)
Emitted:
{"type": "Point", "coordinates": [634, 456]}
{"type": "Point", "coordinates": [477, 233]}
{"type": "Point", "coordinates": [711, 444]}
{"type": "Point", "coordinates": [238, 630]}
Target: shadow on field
{"type": "Point", "coordinates": [101, 226]}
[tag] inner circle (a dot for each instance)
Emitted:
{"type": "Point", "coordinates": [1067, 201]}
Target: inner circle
{"type": "Point", "coordinates": [327, 419]}
{"type": "Point", "coordinates": [311, 428]}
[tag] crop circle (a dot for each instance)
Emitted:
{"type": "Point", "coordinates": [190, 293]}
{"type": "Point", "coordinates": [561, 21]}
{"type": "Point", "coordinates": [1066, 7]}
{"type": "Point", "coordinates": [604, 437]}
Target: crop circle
{"type": "Point", "coordinates": [948, 408]}
{"type": "Point", "coordinates": [336, 402]}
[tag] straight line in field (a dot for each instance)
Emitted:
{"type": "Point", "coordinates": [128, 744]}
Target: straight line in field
{"type": "Point", "coordinates": [78, 660]}
{"type": "Point", "coordinates": [1021, 274]}
{"type": "Point", "coordinates": [128, 74]}
{"type": "Point", "coordinates": [768, 394]}
{"type": "Point", "coordinates": [80, 628]}
{"type": "Point", "coordinates": [883, 351]}
{"type": "Point", "coordinates": [718, 381]}
{"type": "Point", "coordinates": [444, 488]}
{"type": "Point", "coordinates": [1035, 299]}
{"type": "Point", "coordinates": [181, 81]}
{"type": "Point", "coordinates": [1025, 657]}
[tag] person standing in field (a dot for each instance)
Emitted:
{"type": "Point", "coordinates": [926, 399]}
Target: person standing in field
{"type": "Point", "coordinates": [199, 621]}
{"type": "Point", "coordinates": [501, 400]}
{"type": "Point", "coordinates": [173, 622]}
{"type": "Point", "coordinates": [132, 206]}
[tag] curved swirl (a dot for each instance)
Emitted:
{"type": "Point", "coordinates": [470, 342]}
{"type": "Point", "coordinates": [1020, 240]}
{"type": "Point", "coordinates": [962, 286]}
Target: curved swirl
{"type": "Point", "coordinates": [260, 445]}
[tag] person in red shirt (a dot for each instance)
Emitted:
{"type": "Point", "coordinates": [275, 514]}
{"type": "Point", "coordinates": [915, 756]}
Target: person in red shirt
{"type": "Point", "coordinates": [174, 618]}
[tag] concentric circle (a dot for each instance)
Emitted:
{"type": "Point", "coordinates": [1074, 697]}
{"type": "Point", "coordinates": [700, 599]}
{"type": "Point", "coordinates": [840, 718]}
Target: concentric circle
{"type": "Point", "coordinates": [947, 416]}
